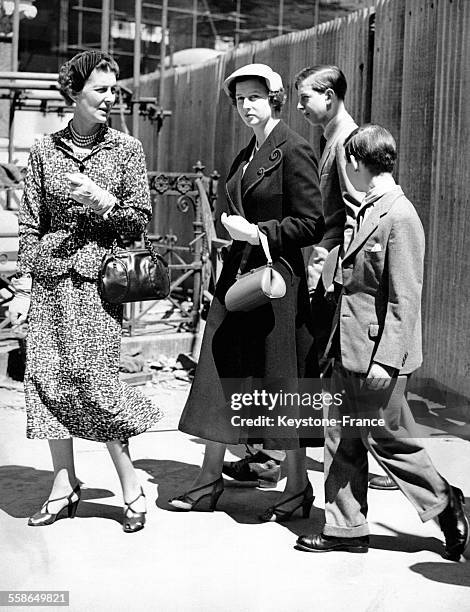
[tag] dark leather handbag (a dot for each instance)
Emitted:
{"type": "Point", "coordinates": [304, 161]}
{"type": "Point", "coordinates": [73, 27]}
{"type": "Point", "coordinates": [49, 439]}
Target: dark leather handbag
{"type": "Point", "coordinates": [256, 287]}
{"type": "Point", "coordinates": [134, 275]}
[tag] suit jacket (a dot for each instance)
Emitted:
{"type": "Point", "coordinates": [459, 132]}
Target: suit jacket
{"type": "Point", "coordinates": [339, 198]}
{"type": "Point", "coordinates": [378, 317]}
{"type": "Point", "coordinates": [57, 234]}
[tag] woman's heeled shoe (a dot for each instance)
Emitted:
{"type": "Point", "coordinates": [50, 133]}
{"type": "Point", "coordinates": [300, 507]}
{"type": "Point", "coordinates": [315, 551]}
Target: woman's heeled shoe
{"type": "Point", "coordinates": [135, 521]}
{"type": "Point", "coordinates": [277, 514]}
{"type": "Point", "coordinates": [45, 517]}
{"type": "Point", "coordinates": [186, 502]}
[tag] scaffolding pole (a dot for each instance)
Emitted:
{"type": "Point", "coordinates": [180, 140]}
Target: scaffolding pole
{"type": "Point", "coordinates": [238, 24]}
{"type": "Point", "coordinates": [280, 27]}
{"type": "Point", "coordinates": [13, 95]}
{"type": "Point", "coordinates": [105, 21]}
{"type": "Point", "coordinates": [161, 91]}
{"type": "Point", "coordinates": [194, 36]}
{"type": "Point", "coordinates": [63, 29]}
{"type": "Point", "coordinates": [317, 12]}
{"type": "Point", "coordinates": [136, 80]}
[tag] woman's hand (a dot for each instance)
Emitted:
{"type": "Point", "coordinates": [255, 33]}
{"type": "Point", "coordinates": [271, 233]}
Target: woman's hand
{"type": "Point", "coordinates": [18, 307]}
{"type": "Point", "coordinates": [240, 229]}
{"type": "Point", "coordinates": [87, 192]}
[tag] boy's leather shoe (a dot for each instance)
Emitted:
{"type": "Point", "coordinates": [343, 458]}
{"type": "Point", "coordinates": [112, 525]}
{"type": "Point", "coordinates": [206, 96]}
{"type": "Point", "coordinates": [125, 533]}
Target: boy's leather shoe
{"type": "Point", "coordinates": [322, 543]}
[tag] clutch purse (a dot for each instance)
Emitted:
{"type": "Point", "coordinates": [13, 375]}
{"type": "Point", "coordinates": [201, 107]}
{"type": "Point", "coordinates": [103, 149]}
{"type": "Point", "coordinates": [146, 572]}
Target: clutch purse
{"type": "Point", "coordinates": [134, 275]}
{"type": "Point", "coordinates": [256, 287]}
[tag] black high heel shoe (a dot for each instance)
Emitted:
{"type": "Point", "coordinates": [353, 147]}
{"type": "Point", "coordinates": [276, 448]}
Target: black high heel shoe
{"type": "Point", "coordinates": [277, 514]}
{"type": "Point", "coordinates": [47, 518]}
{"type": "Point", "coordinates": [186, 502]}
{"type": "Point", "coordinates": [135, 521]}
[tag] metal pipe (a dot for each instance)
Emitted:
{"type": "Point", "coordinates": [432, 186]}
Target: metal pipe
{"type": "Point", "coordinates": [13, 84]}
{"type": "Point", "coordinates": [161, 88]}
{"type": "Point", "coordinates": [136, 79]}
{"type": "Point", "coordinates": [63, 29]}
{"type": "Point", "coordinates": [105, 19]}
{"type": "Point", "coordinates": [194, 36]}
{"type": "Point", "coordinates": [14, 68]}
{"type": "Point", "coordinates": [281, 17]}
{"type": "Point", "coordinates": [37, 94]}
{"type": "Point", "coordinates": [163, 50]}
{"type": "Point", "coordinates": [80, 23]}
{"type": "Point", "coordinates": [38, 76]}
{"type": "Point", "coordinates": [111, 17]}
{"type": "Point", "coordinates": [15, 36]}
{"type": "Point", "coordinates": [118, 51]}
{"type": "Point", "coordinates": [237, 24]}
{"type": "Point", "coordinates": [216, 16]}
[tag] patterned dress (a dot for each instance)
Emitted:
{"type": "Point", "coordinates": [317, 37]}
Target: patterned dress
{"type": "Point", "coordinates": [72, 381]}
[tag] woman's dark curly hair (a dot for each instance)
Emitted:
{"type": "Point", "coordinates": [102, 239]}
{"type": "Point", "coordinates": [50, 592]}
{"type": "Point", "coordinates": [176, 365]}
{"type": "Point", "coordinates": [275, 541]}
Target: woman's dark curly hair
{"type": "Point", "coordinates": [76, 71]}
{"type": "Point", "coordinates": [277, 99]}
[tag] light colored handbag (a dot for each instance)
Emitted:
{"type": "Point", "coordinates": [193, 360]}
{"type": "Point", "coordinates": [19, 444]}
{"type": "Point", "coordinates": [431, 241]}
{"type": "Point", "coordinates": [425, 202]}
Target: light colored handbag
{"type": "Point", "coordinates": [256, 287]}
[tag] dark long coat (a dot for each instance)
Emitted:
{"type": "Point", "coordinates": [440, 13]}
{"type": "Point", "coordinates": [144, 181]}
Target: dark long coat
{"type": "Point", "coordinates": [279, 192]}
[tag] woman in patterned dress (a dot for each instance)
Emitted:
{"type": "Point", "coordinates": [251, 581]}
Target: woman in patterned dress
{"type": "Point", "coordinates": [86, 185]}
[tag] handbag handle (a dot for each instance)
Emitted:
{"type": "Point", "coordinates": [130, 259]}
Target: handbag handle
{"type": "Point", "coordinates": [246, 252]}
{"type": "Point", "coordinates": [156, 257]}
{"type": "Point", "coordinates": [265, 244]}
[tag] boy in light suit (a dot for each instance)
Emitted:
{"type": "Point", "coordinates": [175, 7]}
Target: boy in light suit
{"type": "Point", "coordinates": [376, 344]}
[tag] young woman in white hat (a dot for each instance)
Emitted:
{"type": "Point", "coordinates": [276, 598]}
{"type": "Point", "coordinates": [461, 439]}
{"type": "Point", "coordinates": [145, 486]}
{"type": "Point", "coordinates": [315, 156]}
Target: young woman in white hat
{"type": "Point", "coordinates": [272, 190]}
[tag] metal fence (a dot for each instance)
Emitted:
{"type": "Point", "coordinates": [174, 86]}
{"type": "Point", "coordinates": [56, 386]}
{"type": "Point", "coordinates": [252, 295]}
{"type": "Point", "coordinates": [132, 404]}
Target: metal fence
{"type": "Point", "coordinates": [407, 65]}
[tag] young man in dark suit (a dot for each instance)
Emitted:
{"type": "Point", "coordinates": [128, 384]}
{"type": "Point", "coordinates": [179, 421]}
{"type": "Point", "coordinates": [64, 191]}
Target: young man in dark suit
{"type": "Point", "coordinates": [376, 344]}
{"type": "Point", "coordinates": [321, 93]}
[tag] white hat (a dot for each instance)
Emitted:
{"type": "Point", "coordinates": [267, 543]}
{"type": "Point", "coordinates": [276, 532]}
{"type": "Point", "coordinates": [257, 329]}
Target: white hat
{"type": "Point", "coordinates": [273, 79]}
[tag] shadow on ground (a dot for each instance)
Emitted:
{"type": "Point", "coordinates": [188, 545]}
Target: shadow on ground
{"type": "Point", "coordinates": [409, 543]}
{"type": "Point", "coordinates": [448, 421]}
{"type": "Point", "coordinates": [24, 489]}
{"type": "Point", "coordinates": [457, 574]}
{"type": "Point", "coordinates": [243, 504]}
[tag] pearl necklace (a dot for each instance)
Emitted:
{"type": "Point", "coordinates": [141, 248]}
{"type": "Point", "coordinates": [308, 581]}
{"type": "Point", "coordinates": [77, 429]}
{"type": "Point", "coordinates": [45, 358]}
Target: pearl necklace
{"type": "Point", "coordinates": [83, 141]}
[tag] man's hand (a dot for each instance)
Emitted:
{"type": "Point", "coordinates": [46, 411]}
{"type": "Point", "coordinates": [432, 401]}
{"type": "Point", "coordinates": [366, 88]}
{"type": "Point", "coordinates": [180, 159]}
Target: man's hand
{"type": "Point", "coordinates": [330, 296]}
{"type": "Point", "coordinates": [379, 376]}
{"type": "Point", "coordinates": [315, 266]}
{"type": "Point", "coordinates": [240, 229]}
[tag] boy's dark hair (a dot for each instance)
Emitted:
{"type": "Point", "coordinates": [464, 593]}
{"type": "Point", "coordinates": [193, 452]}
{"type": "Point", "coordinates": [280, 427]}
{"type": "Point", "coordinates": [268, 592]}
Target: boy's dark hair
{"type": "Point", "coordinates": [325, 76]}
{"type": "Point", "coordinates": [74, 73]}
{"type": "Point", "coordinates": [277, 99]}
{"type": "Point", "coordinates": [374, 146]}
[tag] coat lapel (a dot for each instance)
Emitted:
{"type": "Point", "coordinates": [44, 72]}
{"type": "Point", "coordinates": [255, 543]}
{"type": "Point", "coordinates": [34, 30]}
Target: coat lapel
{"type": "Point", "coordinates": [372, 220]}
{"type": "Point", "coordinates": [266, 159]}
{"type": "Point", "coordinates": [233, 185]}
{"type": "Point", "coordinates": [345, 125]}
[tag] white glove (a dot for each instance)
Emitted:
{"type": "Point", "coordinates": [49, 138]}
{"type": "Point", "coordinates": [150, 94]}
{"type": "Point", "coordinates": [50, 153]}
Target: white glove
{"type": "Point", "coordinates": [18, 308]}
{"type": "Point", "coordinates": [87, 192]}
{"type": "Point", "coordinates": [240, 229]}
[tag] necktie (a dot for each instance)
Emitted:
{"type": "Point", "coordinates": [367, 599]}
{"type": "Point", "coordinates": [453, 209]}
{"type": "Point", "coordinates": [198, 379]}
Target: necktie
{"type": "Point", "coordinates": [322, 144]}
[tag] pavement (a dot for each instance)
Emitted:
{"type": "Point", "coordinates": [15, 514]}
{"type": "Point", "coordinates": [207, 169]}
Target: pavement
{"type": "Point", "coordinates": [224, 561]}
